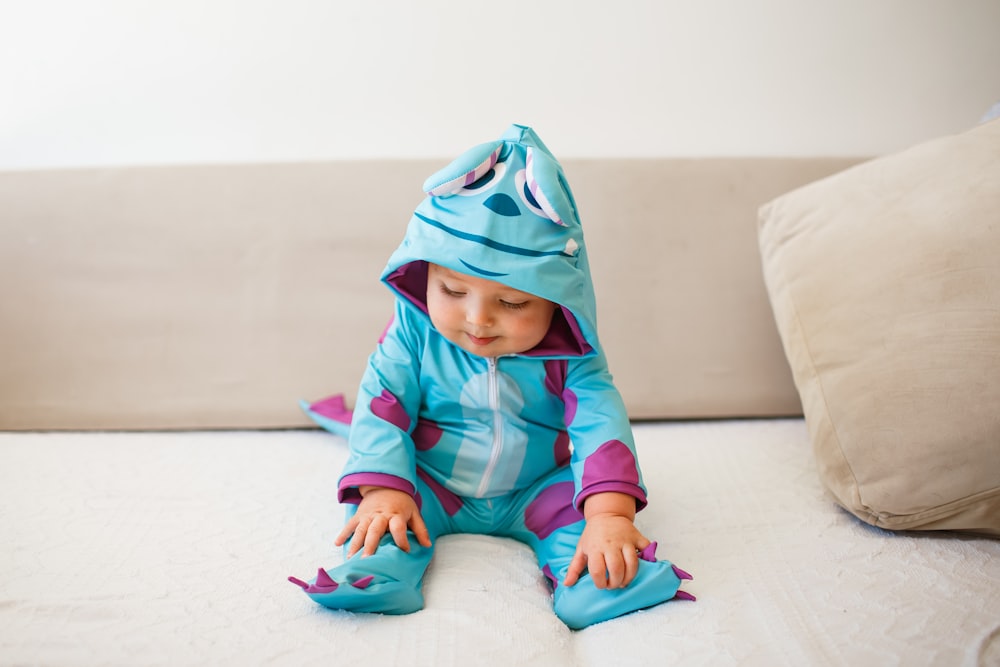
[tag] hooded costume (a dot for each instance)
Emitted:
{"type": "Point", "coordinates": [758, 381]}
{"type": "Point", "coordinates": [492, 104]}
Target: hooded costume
{"type": "Point", "coordinates": [508, 446]}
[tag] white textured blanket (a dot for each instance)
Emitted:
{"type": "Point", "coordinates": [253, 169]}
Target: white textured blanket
{"type": "Point", "coordinates": [173, 549]}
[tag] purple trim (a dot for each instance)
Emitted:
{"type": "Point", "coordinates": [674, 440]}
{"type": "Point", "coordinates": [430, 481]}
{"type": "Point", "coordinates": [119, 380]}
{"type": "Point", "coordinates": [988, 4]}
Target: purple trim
{"type": "Point", "coordinates": [649, 553]}
{"type": "Point", "coordinates": [683, 595]}
{"type": "Point", "coordinates": [613, 487]}
{"type": "Point", "coordinates": [363, 582]}
{"type": "Point", "coordinates": [349, 485]}
{"type": "Point", "coordinates": [563, 338]}
{"type": "Point", "coordinates": [681, 574]}
{"type": "Point", "coordinates": [410, 280]}
{"type": "Point", "coordinates": [450, 502]}
{"type": "Point", "coordinates": [388, 408]}
{"type": "Point", "coordinates": [574, 327]}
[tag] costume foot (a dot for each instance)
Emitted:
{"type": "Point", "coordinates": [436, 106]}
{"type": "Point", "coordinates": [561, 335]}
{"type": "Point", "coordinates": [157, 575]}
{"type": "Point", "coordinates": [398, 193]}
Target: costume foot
{"type": "Point", "coordinates": [657, 581]}
{"type": "Point", "coordinates": [649, 554]}
{"type": "Point", "coordinates": [324, 584]}
{"type": "Point", "coordinates": [369, 593]}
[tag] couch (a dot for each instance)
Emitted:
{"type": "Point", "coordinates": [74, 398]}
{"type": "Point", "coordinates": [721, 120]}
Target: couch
{"type": "Point", "coordinates": [158, 480]}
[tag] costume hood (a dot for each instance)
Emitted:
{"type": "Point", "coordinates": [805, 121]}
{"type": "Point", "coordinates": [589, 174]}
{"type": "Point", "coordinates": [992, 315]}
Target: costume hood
{"type": "Point", "coordinates": [504, 211]}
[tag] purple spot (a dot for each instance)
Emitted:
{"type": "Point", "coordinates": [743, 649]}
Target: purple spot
{"type": "Point", "coordinates": [570, 399]}
{"type": "Point", "coordinates": [387, 407]}
{"type": "Point", "coordinates": [613, 462]}
{"type": "Point", "coordinates": [561, 449]}
{"type": "Point", "coordinates": [555, 375]}
{"type": "Point", "coordinates": [551, 509]}
{"type": "Point", "coordinates": [426, 434]}
{"type": "Point", "coordinates": [449, 501]}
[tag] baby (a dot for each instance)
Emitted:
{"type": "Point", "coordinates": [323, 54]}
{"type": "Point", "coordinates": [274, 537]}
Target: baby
{"type": "Point", "coordinates": [488, 407]}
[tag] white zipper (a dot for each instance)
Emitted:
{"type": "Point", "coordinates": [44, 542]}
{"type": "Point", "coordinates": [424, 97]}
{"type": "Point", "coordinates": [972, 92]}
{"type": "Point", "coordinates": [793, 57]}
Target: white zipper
{"type": "Point", "coordinates": [493, 388]}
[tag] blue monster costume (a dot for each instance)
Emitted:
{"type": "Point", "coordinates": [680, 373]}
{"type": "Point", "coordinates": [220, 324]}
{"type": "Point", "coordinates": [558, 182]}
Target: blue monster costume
{"type": "Point", "coordinates": [510, 446]}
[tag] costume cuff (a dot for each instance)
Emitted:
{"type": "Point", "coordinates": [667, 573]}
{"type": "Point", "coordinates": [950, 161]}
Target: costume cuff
{"type": "Point", "coordinates": [349, 488]}
{"type": "Point", "coordinates": [615, 487]}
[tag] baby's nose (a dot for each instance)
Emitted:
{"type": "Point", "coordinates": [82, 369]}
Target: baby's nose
{"type": "Point", "coordinates": [478, 313]}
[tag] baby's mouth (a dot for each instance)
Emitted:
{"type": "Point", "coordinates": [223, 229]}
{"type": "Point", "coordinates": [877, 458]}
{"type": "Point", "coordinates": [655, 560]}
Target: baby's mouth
{"type": "Point", "coordinates": [476, 340]}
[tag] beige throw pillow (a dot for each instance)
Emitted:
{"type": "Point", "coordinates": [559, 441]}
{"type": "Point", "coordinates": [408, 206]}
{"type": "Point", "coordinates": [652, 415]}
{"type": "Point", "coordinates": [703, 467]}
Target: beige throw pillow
{"type": "Point", "coordinates": [885, 285]}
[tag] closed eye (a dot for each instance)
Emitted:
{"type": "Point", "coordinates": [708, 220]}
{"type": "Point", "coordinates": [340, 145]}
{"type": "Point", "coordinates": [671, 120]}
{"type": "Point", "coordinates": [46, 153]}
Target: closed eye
{"type": "Point", "coordinates": [450, 292]}
{"type": "Point", "coordinates": [513, 306]}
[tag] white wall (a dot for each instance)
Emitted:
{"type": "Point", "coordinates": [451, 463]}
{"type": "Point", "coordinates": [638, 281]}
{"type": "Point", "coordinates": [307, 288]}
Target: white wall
{"type": "Point", "coordinates": [107, 82]}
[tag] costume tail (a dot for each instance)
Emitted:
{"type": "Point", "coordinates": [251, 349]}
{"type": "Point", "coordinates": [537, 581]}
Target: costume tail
{"type": "Point", "coordinates": [330, 413]}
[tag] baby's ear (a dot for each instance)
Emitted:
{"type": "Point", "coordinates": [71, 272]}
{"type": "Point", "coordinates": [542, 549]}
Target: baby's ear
{"type": "Point", "coordinates": [544, 180]}
{"type": "Point", "coordinates": [464, 170]}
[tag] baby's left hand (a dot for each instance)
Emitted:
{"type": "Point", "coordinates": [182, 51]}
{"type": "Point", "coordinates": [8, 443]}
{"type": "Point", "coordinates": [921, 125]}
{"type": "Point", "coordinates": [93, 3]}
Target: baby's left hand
{"type": "Point", "coordinates": [608, 549]}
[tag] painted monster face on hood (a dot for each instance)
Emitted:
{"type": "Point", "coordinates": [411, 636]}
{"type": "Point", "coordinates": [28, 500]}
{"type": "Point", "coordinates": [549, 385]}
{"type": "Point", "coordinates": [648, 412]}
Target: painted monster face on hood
{"type": "Point", "coordinates": [504, 211]}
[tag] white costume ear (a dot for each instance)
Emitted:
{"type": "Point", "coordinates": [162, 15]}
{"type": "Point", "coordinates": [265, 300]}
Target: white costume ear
{"type": "Point", "coordinates": [544, 181]}
{"type": "Point", "coordinates": [464, 170]}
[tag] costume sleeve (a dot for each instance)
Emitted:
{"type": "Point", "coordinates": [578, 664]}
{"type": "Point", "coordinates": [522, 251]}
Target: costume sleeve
{"type": "Point", "coordinates": [604, 457]}
{"type": "Point", "coordinates": [381, 449]}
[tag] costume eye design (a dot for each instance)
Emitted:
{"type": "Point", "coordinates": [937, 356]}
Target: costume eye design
{"type": "Point", "coordinates": [470, 167]}
{"type": "Point", "coordinates": [484, 183]}
{"type": "Point", "coordinates": [537, 179]}
{"type": "Point", "coordinates": [521, 185]}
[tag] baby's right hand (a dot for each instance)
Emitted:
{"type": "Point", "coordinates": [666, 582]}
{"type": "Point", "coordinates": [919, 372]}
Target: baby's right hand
{"type": "Point", "coordinates": [383, 510]}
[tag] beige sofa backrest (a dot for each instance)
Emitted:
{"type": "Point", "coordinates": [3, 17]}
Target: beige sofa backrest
{"type": "Point", "coordinates": [217, 296]}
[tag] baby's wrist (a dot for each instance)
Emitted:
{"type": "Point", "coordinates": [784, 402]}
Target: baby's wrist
{"type": "Point", "coordinates": [609, 503]}
{"type": "Point", "coordinates": [369, 489]}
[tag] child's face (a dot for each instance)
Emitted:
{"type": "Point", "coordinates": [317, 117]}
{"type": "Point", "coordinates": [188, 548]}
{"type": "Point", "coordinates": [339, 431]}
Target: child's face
{"type": "Point", "coordinates": [485, 317]}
